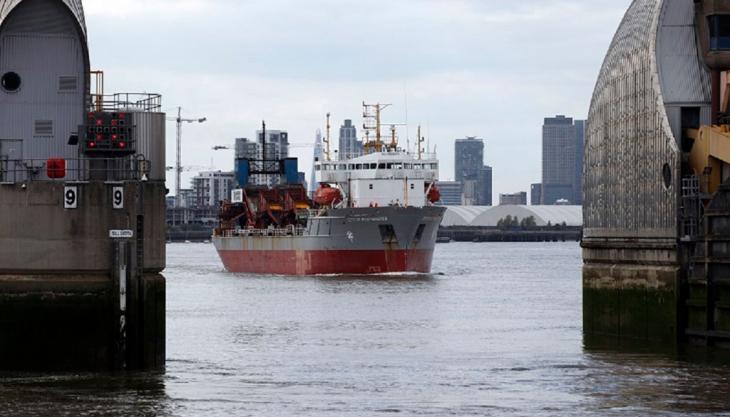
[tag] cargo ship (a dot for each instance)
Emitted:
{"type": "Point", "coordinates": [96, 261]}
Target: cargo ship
{"type": "Point", "coordinates": [372, 214]}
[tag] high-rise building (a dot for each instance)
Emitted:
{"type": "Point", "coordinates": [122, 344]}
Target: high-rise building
{"type": "Point", "coordinates": [247, 149]}
{"type": "Point", "coordinates": [536, 194]}
{"type": "Point", "coordinates": [562, 149]}
{"type": "Point", "coordinates": [516, 199]}
{"type": "Point", "coordinates": [211, 187]}
{"type": "Point", "coordinates": [277, 144]}
{"type": "Point", "coordinates": [452, 193]}
{"type": "Point", "coordinates": [349, 147]}
{"type": "Point", "coordinates": [484, 191]}
{"type": "Point", "coordinates": [317, 156]}
{"type": "Point", "coordinates": [471, 172]}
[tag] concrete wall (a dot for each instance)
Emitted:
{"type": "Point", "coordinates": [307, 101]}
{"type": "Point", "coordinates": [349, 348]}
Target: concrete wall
{"type": "Point", "coordinates": [37, 234]}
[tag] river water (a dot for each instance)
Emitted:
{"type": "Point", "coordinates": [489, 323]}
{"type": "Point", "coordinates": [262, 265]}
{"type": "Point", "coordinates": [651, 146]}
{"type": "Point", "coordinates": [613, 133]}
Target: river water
{"type": "Point", "coordinates": [494, 331]}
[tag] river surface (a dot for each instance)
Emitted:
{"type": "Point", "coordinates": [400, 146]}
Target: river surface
{"type": "Point", "coordinates": [494, 331]}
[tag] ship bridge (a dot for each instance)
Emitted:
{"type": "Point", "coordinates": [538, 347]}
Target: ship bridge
{"type": "Point", "coordinates": [398, 165]}
{"type": "Point", "coordinates": [382, 178]}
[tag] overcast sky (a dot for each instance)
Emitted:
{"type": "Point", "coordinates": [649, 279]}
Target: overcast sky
{"type": "Point", "coordinates": [487, 68]}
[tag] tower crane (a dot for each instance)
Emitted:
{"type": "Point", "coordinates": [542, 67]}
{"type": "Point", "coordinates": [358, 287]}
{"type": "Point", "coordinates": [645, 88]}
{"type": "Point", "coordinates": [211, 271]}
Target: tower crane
{"type": "Point", "coordinates": [178, 166]}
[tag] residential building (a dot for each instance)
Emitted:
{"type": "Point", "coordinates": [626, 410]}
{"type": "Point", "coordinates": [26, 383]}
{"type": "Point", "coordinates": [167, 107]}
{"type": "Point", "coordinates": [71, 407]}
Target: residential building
{"type": "Point", "coordinates": [211, 187]}
{"type": "Point", "coordinates": [516, 199]}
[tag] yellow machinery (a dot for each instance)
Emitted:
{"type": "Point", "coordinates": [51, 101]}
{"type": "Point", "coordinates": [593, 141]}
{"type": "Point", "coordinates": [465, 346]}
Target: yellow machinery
{"type": "Point", "coordinates": [710, 155]}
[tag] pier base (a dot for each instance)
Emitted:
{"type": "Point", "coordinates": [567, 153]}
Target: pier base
{"type": "Point", "coordinates": [66, 322]}
{"type": "Point", "coordinates": [632, 291]}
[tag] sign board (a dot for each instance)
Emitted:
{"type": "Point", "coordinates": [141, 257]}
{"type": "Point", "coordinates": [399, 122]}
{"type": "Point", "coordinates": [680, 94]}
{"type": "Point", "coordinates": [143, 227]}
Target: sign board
{"type": "Point", "coordinates": [118, 198]}
{"type": "Point", "coordinates": [121, 234]}
{"type": "Point", "coordinates": [237, 196]}
{"type": "Point", "coordinates": [70, 197]}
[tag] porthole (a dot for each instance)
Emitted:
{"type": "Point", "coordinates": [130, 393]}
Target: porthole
{"type": "Point", "coordinates": [667, 176]}
{"type": "Point", "coordinates": [10, 82]}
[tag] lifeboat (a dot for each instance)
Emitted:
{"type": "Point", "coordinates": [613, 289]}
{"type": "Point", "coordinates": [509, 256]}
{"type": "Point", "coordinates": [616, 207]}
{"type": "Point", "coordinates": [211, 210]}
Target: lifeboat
{"type": "Point", "coordinates": [327, 196]}
{"type": "Point", "coordinates": [434, 195]}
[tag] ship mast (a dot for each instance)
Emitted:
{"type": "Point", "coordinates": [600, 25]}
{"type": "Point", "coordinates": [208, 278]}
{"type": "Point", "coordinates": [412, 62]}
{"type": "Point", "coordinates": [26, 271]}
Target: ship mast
{"type": "Point", "coordinates": [419, 143]}
{"type": "Point", "coordinates": [327, 139]}
{"type": "Point", "coordinates": [373, 123]}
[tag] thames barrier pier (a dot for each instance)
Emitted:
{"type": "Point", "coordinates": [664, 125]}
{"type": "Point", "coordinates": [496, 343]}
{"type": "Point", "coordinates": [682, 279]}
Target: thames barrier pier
{"type": "Point", "coordinates": [82, 213]}
{"type": "Point", "coordinates": [657, 205]}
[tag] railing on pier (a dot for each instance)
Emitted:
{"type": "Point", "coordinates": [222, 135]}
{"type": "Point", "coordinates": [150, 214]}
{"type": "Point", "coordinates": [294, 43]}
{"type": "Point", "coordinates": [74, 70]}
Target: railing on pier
{"type": "Point", "coordinates": [87, 169]}
{"type": "Point", "coordinates": [127, 102]}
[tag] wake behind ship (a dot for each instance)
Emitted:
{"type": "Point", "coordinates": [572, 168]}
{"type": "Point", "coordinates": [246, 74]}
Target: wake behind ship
{"type": "Point", "coordinates": [372, 214]}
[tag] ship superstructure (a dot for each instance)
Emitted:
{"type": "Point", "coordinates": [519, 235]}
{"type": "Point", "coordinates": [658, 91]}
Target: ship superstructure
{"type": "Point", "coordinates": [375, 213]}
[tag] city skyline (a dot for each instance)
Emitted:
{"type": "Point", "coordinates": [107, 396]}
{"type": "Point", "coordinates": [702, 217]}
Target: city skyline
{"type": "Point", "coordinates": [465, 84]}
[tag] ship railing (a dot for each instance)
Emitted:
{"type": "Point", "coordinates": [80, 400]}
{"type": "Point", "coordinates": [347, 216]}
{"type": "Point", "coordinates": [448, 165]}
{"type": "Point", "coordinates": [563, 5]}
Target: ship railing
{"type": "Point", "coordinates": [13, 171]}
{"type": "Point", "coordinates": [270, 232]}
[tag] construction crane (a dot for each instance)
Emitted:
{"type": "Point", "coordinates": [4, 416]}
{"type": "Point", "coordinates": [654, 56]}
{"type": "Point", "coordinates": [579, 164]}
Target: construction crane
{"type": "Point", "coordinates": [178, 166]}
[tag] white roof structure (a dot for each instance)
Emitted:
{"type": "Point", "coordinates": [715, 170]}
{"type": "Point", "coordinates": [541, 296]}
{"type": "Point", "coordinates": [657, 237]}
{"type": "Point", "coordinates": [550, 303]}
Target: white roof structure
{"type": "Point", "coordinates": [477, 216]}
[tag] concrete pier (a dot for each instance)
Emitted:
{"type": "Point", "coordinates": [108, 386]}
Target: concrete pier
{"type": "Point", "coordinates": [59, 304]}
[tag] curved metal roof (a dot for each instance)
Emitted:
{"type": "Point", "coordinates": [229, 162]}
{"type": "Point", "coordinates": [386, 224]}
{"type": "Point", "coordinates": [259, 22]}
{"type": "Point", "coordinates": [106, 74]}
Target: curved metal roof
{"type": "Point", "coordinates": [75, 6]}
{"type": "Point", "coordinates": [489, 216]}
{"type": "Point", "coordinates": [632, 163]}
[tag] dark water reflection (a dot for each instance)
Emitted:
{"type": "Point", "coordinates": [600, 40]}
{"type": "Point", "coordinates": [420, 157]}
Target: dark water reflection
{"type": "Point", "coordinates": [495, 331]}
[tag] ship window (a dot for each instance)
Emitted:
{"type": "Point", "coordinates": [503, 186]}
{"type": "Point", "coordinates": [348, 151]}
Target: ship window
{"type": "Point", "coordinates": [371, 186]}
{"type": "Point", "coordinates": [387, 232]}
{"type": "Point", "coordinates": [317, 167]}
{"type": "Point", "coordinates": [343, 167]}
{"type": "Point", "coordinates": [10, 81]}
{"type": "Point", "coordinates": [381, 166]}
{"type": "Point", "coordinates": [409, 166]}
{"type": "Point", "coordinates": [719, 32]}
{"type": "Point", "coordinates": [351, 167]}
{"type": "Point", "coordinates": [358, 166]}
{"type": "Point", "coordinates": [413, 186]}
{"type": "Point", "coordinates": [398, 166]}
{"type": "Point", "coordinates": [418, 166]}
{"type": "Point", "coordinates": [390, 166]}
{"type": "Point", "coordinates": [373, 166]}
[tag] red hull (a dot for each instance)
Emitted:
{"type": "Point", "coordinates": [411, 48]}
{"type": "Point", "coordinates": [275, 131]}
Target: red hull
{"type": "Point", "coordinates": [327, 262]}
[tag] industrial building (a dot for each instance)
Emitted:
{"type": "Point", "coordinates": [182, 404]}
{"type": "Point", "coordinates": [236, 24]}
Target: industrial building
{"type": "Point", "coordinates": [656, 200]}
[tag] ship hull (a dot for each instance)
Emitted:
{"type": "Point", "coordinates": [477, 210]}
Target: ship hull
{"type": "Point", "coordinates": [344, 241]}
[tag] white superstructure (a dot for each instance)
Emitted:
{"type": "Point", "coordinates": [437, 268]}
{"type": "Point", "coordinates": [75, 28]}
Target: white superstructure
{"type": "Point", "coordinates": [381, 178]}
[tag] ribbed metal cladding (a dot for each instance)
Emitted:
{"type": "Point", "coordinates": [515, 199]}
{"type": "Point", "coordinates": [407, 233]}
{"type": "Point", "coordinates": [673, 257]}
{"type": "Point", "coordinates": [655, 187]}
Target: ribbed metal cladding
{"type": "Point", "coordinates": [6, 6]}
{"type": "Point", "coordinates": [629, 139]}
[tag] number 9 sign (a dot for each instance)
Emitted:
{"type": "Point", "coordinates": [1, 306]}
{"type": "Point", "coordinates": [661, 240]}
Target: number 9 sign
{"type": "Point", "coordinates": [118, 198]}
{"type": "Point", "coordinates": [70, 197]}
